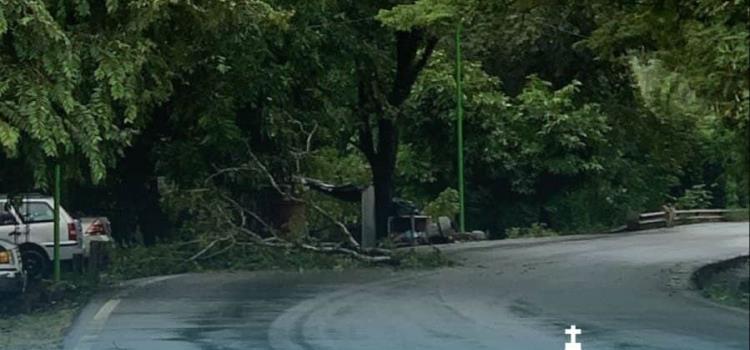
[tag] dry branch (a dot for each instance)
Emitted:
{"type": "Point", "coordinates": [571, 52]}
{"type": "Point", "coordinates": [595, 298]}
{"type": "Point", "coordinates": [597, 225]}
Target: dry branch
{"type": "Point", "coordinates": [275, 185]}
{"type": "Point", "coordinates": [229, 226]}
{"type": "Point", "coordinates": [208, 247]}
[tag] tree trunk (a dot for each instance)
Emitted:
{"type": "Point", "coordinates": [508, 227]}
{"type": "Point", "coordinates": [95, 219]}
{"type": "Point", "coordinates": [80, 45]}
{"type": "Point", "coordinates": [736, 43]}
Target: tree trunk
{"type": "Point", "coordinates": [381, 147]}
{"type": "Point", "coordinates": [383, 167]}
{"type": "Point", "coordinates": [383, 203]}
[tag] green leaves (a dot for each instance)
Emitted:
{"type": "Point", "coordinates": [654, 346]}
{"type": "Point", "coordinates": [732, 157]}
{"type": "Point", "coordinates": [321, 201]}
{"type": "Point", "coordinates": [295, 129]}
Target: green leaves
{"type": "Point", "coordinates": [690, 62]}
{"type": "Point", "coordinates": [3, 22]}
{"type": "Point", "coordinates": [620, 117]}
{"type": "Point", "coordinates": [77, 82]}
{"type": "Point", "coordinates": [446, 204]}
{"type": "Point", "coordinates": [9, 138]}
{"type": "Point", "coordinates": [705, 42]}
{"type": "Point", "coordinates": [542, 131]}
{"type": "Point", "coordinates": [553, 134]}
{"type": "Point", "coordinates": [420, 14]}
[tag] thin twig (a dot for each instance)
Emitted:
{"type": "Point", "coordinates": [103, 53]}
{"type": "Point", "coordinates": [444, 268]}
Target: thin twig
{"type": "Point", "coordinates": [340, 225]}
{"type": "Point", "coordinates": [208, 247]}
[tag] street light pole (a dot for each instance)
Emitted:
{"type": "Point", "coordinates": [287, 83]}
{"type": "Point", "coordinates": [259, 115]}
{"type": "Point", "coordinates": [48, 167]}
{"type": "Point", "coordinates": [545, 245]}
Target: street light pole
{"type": "Point", "coordinates": [460, 128]}
{"type": "Point", "coordinates": [56, 226]}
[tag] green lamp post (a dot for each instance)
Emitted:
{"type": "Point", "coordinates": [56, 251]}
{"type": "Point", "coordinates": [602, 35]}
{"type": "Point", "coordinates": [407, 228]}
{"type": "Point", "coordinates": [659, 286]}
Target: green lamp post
{"type": "Point", "coordinates": [460, 129]}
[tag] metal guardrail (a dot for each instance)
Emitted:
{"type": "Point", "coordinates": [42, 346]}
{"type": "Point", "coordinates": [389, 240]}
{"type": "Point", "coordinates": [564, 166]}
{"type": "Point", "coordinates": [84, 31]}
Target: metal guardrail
{"type": "Point", "coordinates": [671, 216]}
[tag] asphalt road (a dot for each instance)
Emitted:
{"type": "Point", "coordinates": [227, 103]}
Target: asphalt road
{"type": "Point", "coordinates": [625, 291]}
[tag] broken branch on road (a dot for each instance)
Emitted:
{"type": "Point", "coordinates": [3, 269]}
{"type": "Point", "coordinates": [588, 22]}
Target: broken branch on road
{"type": "Point", "coordinates": [233, 222]}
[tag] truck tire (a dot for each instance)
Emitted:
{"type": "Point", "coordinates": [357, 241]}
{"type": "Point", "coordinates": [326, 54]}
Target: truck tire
{"type": "Point", "coordinates": [35, 262]}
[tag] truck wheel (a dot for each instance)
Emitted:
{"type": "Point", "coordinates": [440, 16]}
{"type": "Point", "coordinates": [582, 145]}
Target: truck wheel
{"type": "Point", "coordinates": [35, 263]}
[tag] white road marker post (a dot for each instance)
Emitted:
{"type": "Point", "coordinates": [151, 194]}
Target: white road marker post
{"type": "Point", "coordinates": [573, 332]}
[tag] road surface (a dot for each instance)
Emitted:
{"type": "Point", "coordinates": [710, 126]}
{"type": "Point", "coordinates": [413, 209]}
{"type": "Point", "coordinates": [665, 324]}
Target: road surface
{"type": "Point", "coordinates": [625, 291]}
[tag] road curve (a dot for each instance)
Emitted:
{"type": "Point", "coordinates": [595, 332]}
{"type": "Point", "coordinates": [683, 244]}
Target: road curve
{"type": "Point", "coordinates": [625, 291]}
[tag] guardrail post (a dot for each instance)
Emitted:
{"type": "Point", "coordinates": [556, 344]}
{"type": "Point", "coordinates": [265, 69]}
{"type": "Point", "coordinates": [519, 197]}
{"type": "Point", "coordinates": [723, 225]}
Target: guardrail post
{"type": "Point", "coordinates": [669, 215]}
{"type": "Point", "coordinates": [632, 222]}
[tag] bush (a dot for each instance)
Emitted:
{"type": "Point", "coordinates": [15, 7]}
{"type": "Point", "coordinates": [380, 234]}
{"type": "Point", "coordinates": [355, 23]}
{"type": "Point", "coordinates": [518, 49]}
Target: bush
{"type": "Point", "coordinates": [696, 197]}
{"type": "Point", "coordinates": [739, 215]}
{"type": "Point", "coordinates": [446, 204]}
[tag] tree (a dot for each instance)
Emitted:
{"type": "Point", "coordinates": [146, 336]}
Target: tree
{"type": "Point", "coordinates": [378, 131]}
{"type": "Point", "coordinates": [79, 79]}
{"type": "Point", "coordinates": [699, 49]}
{"type": "Point", "coordinates": [349, 75]}
{"type": "Point", "coordinates": [522, 151]}
{"type": "Point", "coordinates": [418, 28]}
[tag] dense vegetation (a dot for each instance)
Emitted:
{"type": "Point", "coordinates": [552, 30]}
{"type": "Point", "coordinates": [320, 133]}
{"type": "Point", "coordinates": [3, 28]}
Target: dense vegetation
{"type": "Point", "coordinates": [578, 114]}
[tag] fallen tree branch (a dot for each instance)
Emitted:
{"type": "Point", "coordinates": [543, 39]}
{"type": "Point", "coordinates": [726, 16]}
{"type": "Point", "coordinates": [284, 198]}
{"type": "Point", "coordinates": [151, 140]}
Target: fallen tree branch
{"type": "Point", "coordinates": [254, 215]}
{"type": "Point", "coordinates": [227, 222]}
{"type": "Point", "coordinates": [275, 185]}
{"type": "Point", "coordinates": [270, 177]}
{"type": "Point", "coordinates": [349, 252]}
{"type": "Point", "coordinates": [208, 247]}
{"type": "Point", "coordinates": [224, 171]}
{"type": "Point", "coordinates": [340, 225]}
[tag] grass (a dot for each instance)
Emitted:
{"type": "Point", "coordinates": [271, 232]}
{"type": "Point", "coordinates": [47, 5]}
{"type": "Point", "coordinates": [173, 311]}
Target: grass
{"type": "Point", "coordinates": [729, 285]}
{"type": "Point", "coordinates": [535, 230]}
{"type": "Point", "coordinates": [39, 318]}
{"type": "Point", "coordinates": [172, 258]}
{"type": "Point", "coordinates": [725, 295]}
{"type": "Point", "coordinates": [38, 330]}
{"type": "Point", "coordinates": [413, 259]}
{"type": "Point", "coordinates": [739, 215]}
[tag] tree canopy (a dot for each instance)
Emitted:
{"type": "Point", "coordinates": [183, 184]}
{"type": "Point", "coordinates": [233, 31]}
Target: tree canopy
{"type": "Point", "coordinates": [81, 78]}
{"type": "Point", "coordinates": [577, 113]}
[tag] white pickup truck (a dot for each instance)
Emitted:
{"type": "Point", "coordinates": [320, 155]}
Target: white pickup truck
{"type": "Point", "coordinates": [30, 225]}
{"type": "Point", "coordinates": [12, 274]}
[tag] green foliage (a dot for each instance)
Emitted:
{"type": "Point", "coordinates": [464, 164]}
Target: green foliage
{"type": "Point", "coordinates": [541, 131]}
{"type": "Point", "coordinates": [728, 285]}
{"type": "Point", "coordinates": [41, 329]}
{"type": "Point", "coordinates": [698, 51]}
{"type": "Point", "coordinates": [413, 259]}
{"type": "Point", "coordinates": [535, 230]}
{"type": "Point", "coordinates": [346, 167]}
{"type": "Point", "coordinates": [516, 148]}
{"type": "Point", "coordinates": [576, 113]}
{"type": "Point", "coordinates": [79, 80]}
{"type": "Point", "coordinates": [552, 135]}
{"type": "Point", "coordinates": [587, 140]}
{"type": "Point", "coordinates": [172, 258]}
{"type": "Point", "coordinates": [424, 14]}
{"type": "Point", "coordinates": [696, 197]}
{"type": "Point", "coordinates": [665, 92]}
{"type": "Point", "coordinates": [737, 215]}
{"type": "Point", "coordinates": [446, 204]}
{"type": "Point", "coordinates": [706, 41]}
